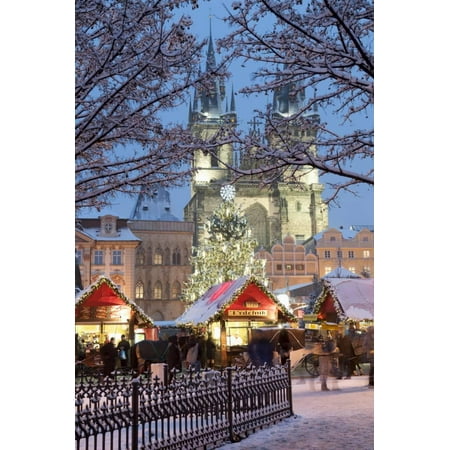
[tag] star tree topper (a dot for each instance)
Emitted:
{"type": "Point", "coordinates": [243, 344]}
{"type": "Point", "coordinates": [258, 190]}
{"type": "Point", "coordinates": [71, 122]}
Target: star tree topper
{"type": "Point", "coordinates": [227, 192]}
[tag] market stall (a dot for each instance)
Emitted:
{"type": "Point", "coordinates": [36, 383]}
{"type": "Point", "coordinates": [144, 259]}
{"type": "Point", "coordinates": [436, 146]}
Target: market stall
{"type": "Point", "coordinates": [103, 311]}
{"type": "Point", "coordinates": [229, 311]}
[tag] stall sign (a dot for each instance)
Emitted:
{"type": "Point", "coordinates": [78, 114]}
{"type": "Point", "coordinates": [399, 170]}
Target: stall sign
{"type": "Point", "coordinates": [263, 313]}
{"type": "Point", "coordinates": [310, 317]}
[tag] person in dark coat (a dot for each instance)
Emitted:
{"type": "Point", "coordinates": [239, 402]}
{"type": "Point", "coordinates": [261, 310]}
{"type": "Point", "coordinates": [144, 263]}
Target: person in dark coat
{"type": "Point", "coordinates": [108, 353]}
{"type": "Point", "coordinates": [173, 357]}
{"type": "Point", "coordinates": [346, 356]}
{"type": "Point", "coordinates": [210, 351]}
{"type": "Point", "coordinates": [369, 345]}
{"type": "Point", "coordinates": [260, 350]}
{"type": "Point", "coordinates": [284, 346]}
{"type": "Point", "coordinates": [123, 346]}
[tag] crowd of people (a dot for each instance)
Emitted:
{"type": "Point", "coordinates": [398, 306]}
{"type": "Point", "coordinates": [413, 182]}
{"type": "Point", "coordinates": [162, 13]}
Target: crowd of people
{"type": "Point", "coordinates": [198, 352]}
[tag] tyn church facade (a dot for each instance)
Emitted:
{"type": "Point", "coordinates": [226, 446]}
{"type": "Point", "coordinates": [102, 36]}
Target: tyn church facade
{"type": "Point", "coordinates": [287, 207]}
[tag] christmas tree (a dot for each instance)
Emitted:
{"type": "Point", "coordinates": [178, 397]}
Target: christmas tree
{"type": "Point", "coordinates": [227, 253]}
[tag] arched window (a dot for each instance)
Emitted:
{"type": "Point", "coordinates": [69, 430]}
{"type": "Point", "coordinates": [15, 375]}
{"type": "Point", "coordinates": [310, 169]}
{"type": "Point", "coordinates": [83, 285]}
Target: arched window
{"type": "Point", "coordinates": [158, 257]}
{"type": "Point", "coordinates": [157, 292]}
{"type": "Point", "coordinates": [176, 257]}
{"type": "Point", "coordinates": [167, 256]}
{"type": "Point", "coordinates": [140, 256]}
{"type": "Point", "coordinates": [176, 290]}
{"type": "Point", "coordinates": [139, 290]}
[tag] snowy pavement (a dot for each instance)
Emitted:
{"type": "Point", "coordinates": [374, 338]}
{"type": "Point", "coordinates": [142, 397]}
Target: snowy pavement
{"type": "Point", "coordinates": [342, 418]}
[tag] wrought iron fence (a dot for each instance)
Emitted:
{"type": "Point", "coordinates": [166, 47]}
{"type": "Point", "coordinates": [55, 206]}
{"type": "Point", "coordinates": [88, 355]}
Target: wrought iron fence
{"type": "Point", "coordinates": [197, 410]}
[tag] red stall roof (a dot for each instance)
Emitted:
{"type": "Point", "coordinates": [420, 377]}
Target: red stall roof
{"type": "Point", "coordinates": [104, 292]}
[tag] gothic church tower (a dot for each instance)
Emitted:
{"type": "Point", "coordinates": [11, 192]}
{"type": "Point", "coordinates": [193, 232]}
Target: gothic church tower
{"type": "Point", "coordinates": [289, 206]}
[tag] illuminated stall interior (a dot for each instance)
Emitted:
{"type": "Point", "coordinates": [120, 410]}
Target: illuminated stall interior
{"type": "Point", "coordinates": [103, 311]}
{"type": "Point", "coordinates": [228, 311]}
{"type": "Point", "coordinates": [345, 300]}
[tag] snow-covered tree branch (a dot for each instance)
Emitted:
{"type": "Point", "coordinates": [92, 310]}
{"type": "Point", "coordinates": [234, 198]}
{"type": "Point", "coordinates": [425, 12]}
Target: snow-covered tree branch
{"type": "Point", "coordinates": [321, 51]}
{"type": "Point", "coordinates": [135, 59]}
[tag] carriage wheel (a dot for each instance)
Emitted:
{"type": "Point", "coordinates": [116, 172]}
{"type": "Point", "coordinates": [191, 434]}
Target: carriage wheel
{"type": "Point", "coordinates": [312, 365]}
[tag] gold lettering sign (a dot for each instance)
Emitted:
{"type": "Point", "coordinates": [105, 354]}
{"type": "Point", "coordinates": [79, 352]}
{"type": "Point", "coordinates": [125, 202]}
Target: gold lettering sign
{"type": "Point", "coordinates": [251, 304]}
{"type": "Point", "coordinates": [243, 312]}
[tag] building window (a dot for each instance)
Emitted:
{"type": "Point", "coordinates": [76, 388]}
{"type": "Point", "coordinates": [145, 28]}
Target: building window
{"type": "Point", "coordinates": [108, 227]}
{"type": "Point", "coordinates": [176, 290]}
{"type": "Point", "coordinates": [214, 159]}
{"type": "Point", "coordinates": [299, 238]}
{"type": "Point", "coordinates": [352, 269]}
{"type": "Point", "coordinates": [298, 206]}
{"type": "Point", "coordinates": [79, 256]}
{"type": "Point", "coordinates": [140, 289]}
{"type": "Point", "coordinates": [339, 254]}
{"type": "Point", "coordinates": [365, 239]}
{"type": "Point", "coordinates": [279, 267]}
{"type": "Point", "coordinates": [351, 254]}
{"type": "Point", "coordinates": [176, 257]}
{"type": "Point", "coordinates": [332, 238]}
{"type": "Point", "coordinates": [300, 267]}
{"type": "Point", "coordinates": [157, 292]}
{"type": "Point", "coordinates": [366, 253]}
{"type": "Point", "coordinates": [140, 257]}
{"type": "Point", "coordinates": [288, 266]}
{"type": "Point", "coordinates": [117, 257]}
{"type": "Point", "coordinates": [158, 257]}
{"type": "Point", "coordinates": [327, 270]}
{"type": "Point", "coordinates": [327, 254]}
{"type": "Point", "coordinates": [98, 257]}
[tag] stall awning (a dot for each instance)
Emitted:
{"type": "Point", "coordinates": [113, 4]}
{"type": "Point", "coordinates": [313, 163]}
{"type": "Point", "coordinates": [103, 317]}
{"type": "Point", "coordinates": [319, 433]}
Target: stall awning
{"type": "Point", "coordinates": [104, 292]}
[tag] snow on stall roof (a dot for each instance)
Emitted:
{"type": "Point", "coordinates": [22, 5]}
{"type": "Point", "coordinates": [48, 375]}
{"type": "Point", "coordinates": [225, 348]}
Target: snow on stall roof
{"type": "Point", "coordinates": [218, 297]}
{"type": "Point", "coordinates": [341, 272]}
{"type": "Point", "coordinates": [356, 296]}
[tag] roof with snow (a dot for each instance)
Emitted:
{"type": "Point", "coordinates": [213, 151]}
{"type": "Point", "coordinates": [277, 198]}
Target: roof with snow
{"type": "Point", "coordinates": [351, 298]}
{"type": "Point", "coordinates": [104, 292]}
{"type": "Point", "coordinates": [341, 272]}
{"type": "Point", "coordinates": [211, 305]}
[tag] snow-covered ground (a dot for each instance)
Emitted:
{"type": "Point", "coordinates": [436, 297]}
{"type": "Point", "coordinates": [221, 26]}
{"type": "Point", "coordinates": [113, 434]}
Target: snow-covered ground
{"type": "Point", "coordinates": [342, 418]}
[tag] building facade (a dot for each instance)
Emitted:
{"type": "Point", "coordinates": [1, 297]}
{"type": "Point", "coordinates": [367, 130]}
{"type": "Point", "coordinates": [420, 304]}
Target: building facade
{"type": "Point", "coordinates": [106, 246]}
{"type": "Point", "coordinates": [291, 206]}
{"type": "Point", "coordinates": [288, 264]}
{"type": "Point", "coordinates": [351, 249]}
{"type": "Point", "coordinates": [162, 263]}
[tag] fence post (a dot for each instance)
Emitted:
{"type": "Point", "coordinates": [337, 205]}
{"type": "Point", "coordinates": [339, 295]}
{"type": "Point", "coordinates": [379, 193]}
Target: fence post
{"type": "Point", "coordinates": [230, 404]}
{"type": "Point", "coordinates": [290, 386]}
{"type": "Point", "coordinates": [135, 414]}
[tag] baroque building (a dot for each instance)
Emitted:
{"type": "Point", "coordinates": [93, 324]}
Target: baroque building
{"type": "Point", "coordinates": [351, 249]}
{"type": "Point", "coordinates": [291, 206]}
{"type": "Point", "coordinates": [106, 246]}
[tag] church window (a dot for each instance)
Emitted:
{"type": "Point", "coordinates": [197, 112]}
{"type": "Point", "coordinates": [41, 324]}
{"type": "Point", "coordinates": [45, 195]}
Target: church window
{"type": "Point", "coordinates": [298, 206]}
{"type": "Point", "coordinates": [139, 290]}
{"type": "Point", "coordinates": [214, 159]}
